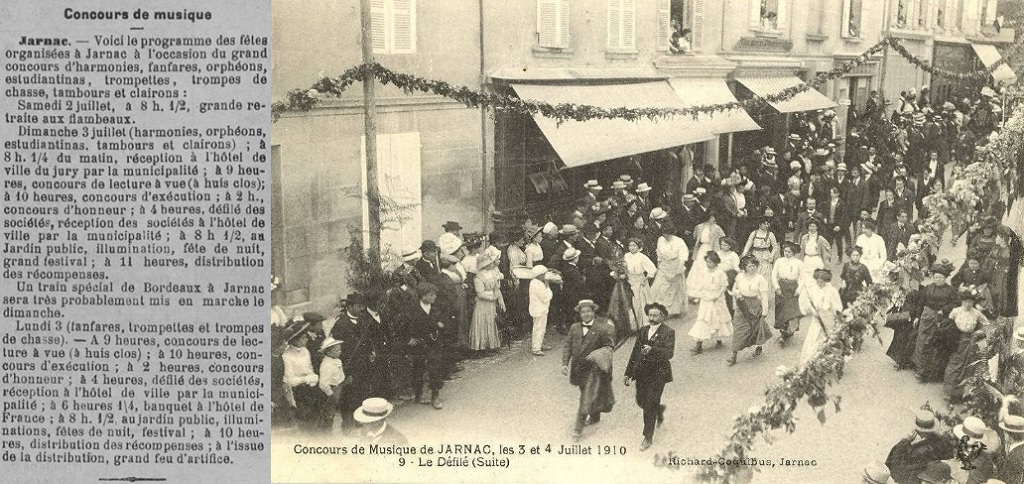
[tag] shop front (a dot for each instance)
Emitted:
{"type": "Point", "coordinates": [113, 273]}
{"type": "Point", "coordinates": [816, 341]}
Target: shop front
{"type": "Point", "coordinates": [775, 120]}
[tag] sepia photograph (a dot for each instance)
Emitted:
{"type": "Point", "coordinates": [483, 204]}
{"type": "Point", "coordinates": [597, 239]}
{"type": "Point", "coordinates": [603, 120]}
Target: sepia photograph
{"type": "Point", "coordinates": [737, 241]}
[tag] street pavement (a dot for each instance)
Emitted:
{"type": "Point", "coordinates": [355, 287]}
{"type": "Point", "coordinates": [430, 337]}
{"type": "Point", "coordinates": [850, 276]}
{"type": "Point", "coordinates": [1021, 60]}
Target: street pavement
{"type": "Point", "coordinates": [516, 399]}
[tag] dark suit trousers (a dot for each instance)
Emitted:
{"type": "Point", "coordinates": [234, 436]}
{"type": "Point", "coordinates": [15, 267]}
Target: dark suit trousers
{"type": "Point", "coordinates": [427, 368]}
{"type": "Point", "coordinates": [581, 419]}
{"type": "Point", "coordinates": [648, 397]}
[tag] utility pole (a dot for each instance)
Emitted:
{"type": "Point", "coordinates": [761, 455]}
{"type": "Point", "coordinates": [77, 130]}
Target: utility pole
{"type": "Point", "coordinates": [370, 124]}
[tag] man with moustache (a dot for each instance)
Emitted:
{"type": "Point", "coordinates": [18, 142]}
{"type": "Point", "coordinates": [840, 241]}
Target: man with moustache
{"type": "Point", "coordinates": [650, 368]}
{"type": "Point", "coordinates": [587, 361]}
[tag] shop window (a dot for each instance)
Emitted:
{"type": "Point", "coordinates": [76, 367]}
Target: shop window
{"type": "Point", "coordinates": [553, 23]}
{"type": "Point", "coordinates": [682, 22]}
{"type": "Point", "coordinates": [852, 10]}
{"type": "Point", "coordinates": [768, 15]}
{"type": "Point", "coordinates": [394, 26]}
{"type": "Point", "coordinates": [621, 24]}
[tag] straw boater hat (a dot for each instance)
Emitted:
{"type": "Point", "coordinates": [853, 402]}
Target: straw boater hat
{"type": "Point", "coordinates": [643, 187]}
{"type": "Point", "coordinates": [700, 190]}
{"type": "Point", "coordinates": [658, 213]}
{"type": "Point", "coordinates": [592, 185]}
{"type": "Point", "coordinates": [626, 179]}
{"type": "Point", "coordinates": [373, 410]}
{"type": "Point", "coordinates": [568, 229]}
{"type": "Point", "coordinates": [329, 342]}
{"type": "Point", "coordinates": [584, 303]}
{"type": "Point", "coordinates": [976, 431]}
{"type": "Point", "coordinates": [1013, 424]}
{"type": "Point", "coordinates": [689, 197]}
{"type": "Point", "coordinates": [618, 185]}
{"type": "Point", "coordinates": [570, 254]}
{"type": "Point", "coordinates": [841, 167]}
{"type": "Point", "coordinates": [877, 473]}
{"type": "Point", "coordinates": [769, 151]}
{"type": "Point", "coordinates": [411, 254]}
{"type": "Point", "coordinates": [538, 271]}
{"type": "Point", "coordinates": [821, 152]}
{"type": "Point", "coordinates": [795, 137]}
{"type": "Point", "coordinates": [925, 422]}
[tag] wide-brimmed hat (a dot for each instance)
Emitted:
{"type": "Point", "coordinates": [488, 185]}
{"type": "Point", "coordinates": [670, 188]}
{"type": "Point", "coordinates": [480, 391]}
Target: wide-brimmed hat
{"type": "Point", "coordinates": [483, 261]}
{"type": "Point", "coordinates": [410, 254]}
{"type": "Point", "coordinates": [1013, 424]}
{"type": "Point", "coordinates": [329, 342]}
{"type": "Point", "coordinates": [689, 197]}
{"type": "Point", "coordinates": [943, 267]}
{"type": "Point", "coordinates": [972, 427]}
{"type": "Point", "coordinates": [450, 225]}
{"type": "Point", "coordinates": [373, 410]}
{"type": "Point", "coordinates": [937, 472]}
{"type": "Point", "coordinates": [584, 303]}
{"type": "Point", "coordinates": [841, 167]}
{"type": "Point", "coordinates": [568, 229]}
{"type": "Point", "coordinates": [549, 228]}
{"type": "Point", "coordinates": [538, 270]}
{"type": "Point", "coordinates": [296, 329]}
{"type": "Point", "coordinates": [877, 473]}
{"type": "Point", "coordinates": [658, 213]}
{"type": "Point", "coordinates": [925, 422]}
{"type": "Point", "coordinates": [643, 187]}
{"type": "Point", "coordinates": [794, 137]}
{"type": "Point", "coordinates": [618, 185]}
{"type": "Point", "coordinates": [570, 254]}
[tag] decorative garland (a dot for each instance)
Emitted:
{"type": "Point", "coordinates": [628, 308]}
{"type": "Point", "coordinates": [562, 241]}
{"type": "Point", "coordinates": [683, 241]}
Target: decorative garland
{"type": "Point", "coordinates": [955, 208]}
{"type": "Point", "coordinates": [978, 75]}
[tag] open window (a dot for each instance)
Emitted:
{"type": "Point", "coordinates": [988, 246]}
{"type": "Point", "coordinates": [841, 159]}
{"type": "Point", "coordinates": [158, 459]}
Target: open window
{"type": "Point", "coordinates": [682, 25]}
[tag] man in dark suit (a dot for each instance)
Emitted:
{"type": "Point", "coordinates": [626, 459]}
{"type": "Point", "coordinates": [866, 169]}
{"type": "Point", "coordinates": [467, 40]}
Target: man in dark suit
{"type": "Point", "coordinates": [904, 197]}
{"type": "Point", "coordinates": [911, 455]}
{"type": "Point", "coordinates": [426, 322]}
{"type": "Point", "coordinates": [650, 368]}
{"type": "Point", "coordinates": [898, 233]}
{"type": "Point", "coordinates": [588, 368]}
{"type": "Point", "coordinates": [360, 347]}
{"type": "Point", "coordinates": [811, 212]}
{"type": "Point", "coordinates": [933, 177]}
{"type": "Point", "coordinates": [1011, 471]}
{"type": "Point", "coordinates": [573, 288]}
{"type": "Point", "coordinates": [428, 265]}
{"type": "Point", "coordinates": [372, 415]}
{"type": "Point", "coordinates": [836, 222]}
{"type": "Point", "coordinates": [691, 215]}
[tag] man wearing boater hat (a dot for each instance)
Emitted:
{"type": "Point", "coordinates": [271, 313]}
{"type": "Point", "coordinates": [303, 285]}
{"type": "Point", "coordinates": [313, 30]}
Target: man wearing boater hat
{"type": "Point", "coordinates": [372, 415]}
{"type": "Point", "coordinates": [586, 360]}
{"type": "Point", "coordinates": [926, 444]}
{"type": "Point", "coordinates": [974, 433]}
{"type": "Point", "coordinates": [1011, 471]}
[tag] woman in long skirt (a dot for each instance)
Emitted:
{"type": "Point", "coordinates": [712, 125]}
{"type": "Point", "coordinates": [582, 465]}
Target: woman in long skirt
{"type": "Point", "coordinates": [713, 318]}
{"type": "Point", "coordinates": [639, 269]}
{"type": "Point", "coordinates": [967, 319]}
{"type": "Point", "coordinates": [932, 347]}
{"type": "Point", "coordinates": [669, 286]}
{"type": "Point", "coordinates": [730, 265]}
{"type": "Point", "coordinates": [750, 291]}
{"type": "Point", "coordinates": [855, 276]}
{"type": "Point", "coordinates": [483, 330]}
{"type": "Point", "coordinates": [873, 253]}
{"type": "Point", "coordinates": [901, 321]}
{"type": "Point", "coordinates": [763, 245]}
{"type": "Point", "coordinates": [706, 236]}
{"type": "Point", "coordinates": [820, 304]}
{"type": "Point", "coordinates": [817, 253]}
{"type": "Point", "coordinates": [620, 305]}
{"type": "Point", "coordinates": [786, 275]}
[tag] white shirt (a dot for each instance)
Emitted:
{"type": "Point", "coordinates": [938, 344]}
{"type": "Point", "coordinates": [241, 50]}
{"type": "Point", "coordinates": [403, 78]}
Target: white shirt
{"type": "Point", "coordinates": [672, 250]}
{"type": "Point", "coordinates": [425, 306]}
{"type": "Point", "coordinates": [331, 374]}
{"type": "Point", "coordinates": [534, 254]}
{"type": "Point", "coordinates": [967, 320]}
{"type": "Point", "coordinates": [298, 368]}
{"type": "Point", "coordinates": [786, 268]}
{"type": "Point", "coordinates": [639, 264]}
{"type": "Point", "coordinates": [540, 298]}
{"type": "Point", "coordinates": [730, 261]}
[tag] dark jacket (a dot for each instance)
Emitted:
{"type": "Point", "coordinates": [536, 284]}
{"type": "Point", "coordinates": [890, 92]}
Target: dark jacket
{"type": "Point", "coordinates": [906, 459]}
{"type": "Point", "coordinates": [655, 367]}
{"type": "Point", "coordinates": [895, 235]}
{"type": "Point", "coordinates": [1012, 469]}
{"type": "Point", "coordinates": [577, 347]}
{"type": "Point", "coordinates": [426, 328]}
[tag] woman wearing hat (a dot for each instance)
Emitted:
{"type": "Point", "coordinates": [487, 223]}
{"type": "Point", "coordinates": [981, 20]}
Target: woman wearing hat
{"type": "Point", "coordinates": [669, 286]}
{"type": "Point", "coordinates": [995, 262]}
{"type": "Point", "coordinates": [713, 319]}
{"type": "Point", "coordinates": [786, 279]}
{"type": "Point", "coordinates": [751, 292]}
{"type": "Point", "coordinates": [924, 446]}
{"type": "Point", "coordinates": [639, 270]}
{"type": "Point", "coordinates": [972, 274]}
{"type": "Point", "coordinates": [706, 237]}
{"type": "Point", "coordinates": [820, 304]}
{"type": "Point", "coordinates": [932, 345]}
{"type": "Point", "coordinates": [483, 329]}
{"type": "Point", "coordinates": [969, 321]}
{"type": "Point", "coordinates": [299, 378]}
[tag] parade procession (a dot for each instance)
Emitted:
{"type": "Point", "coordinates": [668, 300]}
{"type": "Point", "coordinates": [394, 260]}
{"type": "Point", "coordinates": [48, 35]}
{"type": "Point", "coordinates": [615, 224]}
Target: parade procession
{"type": "Point", "coordinates": [690, 237]}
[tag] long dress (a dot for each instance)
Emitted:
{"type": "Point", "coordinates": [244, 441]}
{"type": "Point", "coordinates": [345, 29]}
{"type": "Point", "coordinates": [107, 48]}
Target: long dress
{"type": "Point", "coordinates": [669, 287]}
{"type": "Point", "coordinates": [749, 326]}
{"type": "Point", "coordinates": [996, 264]}
{"type": "Point", "coordinates": [483, 330]}
{"type": "Point", "coordinates": [815, 256]}
{"type": "Point", "coordinates": [620, 306]}
{"type": "Point", "coordinates": [707, 236]}
{"type": "Point", "coordinates": [934, 342]}
{"type": "Point", "coordinates": [966, 355]}
{"type": "Point", "coordinates": [765, 247]}
{"type": "Point", "coordinates": [819, 306]}
{"type": "Point", "coordinates": [713, 318]}
{"type": "Point", "coordinates": [857, 277]}
{"type": "Point", "coordinates": [874, 254]}
{"type": "Point", "coordinates": [638, 269]}
{"type": "Point", "coordinates": [904, 334]}
{"type": "Point", "coordinates": [786, 274]}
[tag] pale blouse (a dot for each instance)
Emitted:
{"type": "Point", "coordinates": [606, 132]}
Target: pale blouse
{"type": "Point", "coordinates": [756, 285]}
{"type": "Point", "coordinates": [534, 254]}
{"type": "Point", "coordinates": [874, 247]}
{"type": "Point", "coordinates": [672, 250]}
{"type": "Point", "coordinates": [331, 374]}
{"type": "Point", "coordinates": [822, 301]}
{"type": "Point", "coordinates": [517, 258]}
{"type": "Point", "coordinates": [730, 261]}
{"type": "Point", "coordinates": [714, 286]}
{"type": "Point", "coordinates": [298, 367]}
{"type": "Point", "coordinates": [639, 264]}
{"type": "Point", "coordinates": [789, 268]}
{"type": "Point", "coordinates": [967, 320]}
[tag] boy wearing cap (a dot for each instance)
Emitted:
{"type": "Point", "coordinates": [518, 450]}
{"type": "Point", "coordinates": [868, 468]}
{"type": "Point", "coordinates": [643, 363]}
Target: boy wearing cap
{"type": "Point", "coordinates": [332, 374]}
{"type": "Point", "coordinates": [540, 305]}
{"type": "Point", "coordinates": [925, 444]}
{"type": "Point", "coordinates": [426, 322]}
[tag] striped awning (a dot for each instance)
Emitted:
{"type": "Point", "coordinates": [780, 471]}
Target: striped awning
{"type": "Point", "coordinates": [701, 91]}
{"type": "Point", "coordinates": [807, 100]}
{"type": "Point", "coordinates": [583, 142]}
{"type": "Point", "coordinates": [989, 56]}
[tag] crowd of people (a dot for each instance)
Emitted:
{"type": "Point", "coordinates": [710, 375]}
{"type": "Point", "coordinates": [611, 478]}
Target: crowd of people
{"type": "Point", "coordinates": [783, 239]}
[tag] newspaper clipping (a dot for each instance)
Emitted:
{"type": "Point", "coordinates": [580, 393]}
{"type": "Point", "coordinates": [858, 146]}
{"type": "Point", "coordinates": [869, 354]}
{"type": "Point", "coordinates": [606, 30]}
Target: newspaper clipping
{"type": "Point", "coordinates": [135, 241]}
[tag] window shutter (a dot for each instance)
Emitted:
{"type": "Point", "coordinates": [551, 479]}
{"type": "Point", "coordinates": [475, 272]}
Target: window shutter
{"type": "Point", "coordinates": [664, 24]}
{"type": "Point", "coordinates": [404, 18]}
{"type": "Point", "coordinates": [614, 23]}
{"type": "Point", "coordinates": [378, 25]}
{"type": "Point", "coordinates": [628, 24]}
{"type": "Point", "coordinates": [783, 12]}
{"type": "Point", "coordinates": [755, 14]}
{"type": "Point", "coordinates": [844, 22]}
{"type": "Point", "coordinates": [563, 23]}
{"type": "Point", "coordinates": [547, 23]}
{"type": "Point", "coordinates": [697, 31]}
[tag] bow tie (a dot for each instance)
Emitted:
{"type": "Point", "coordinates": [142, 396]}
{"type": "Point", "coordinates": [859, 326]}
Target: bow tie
{"type": "Point", "coordinates": [587, 325]}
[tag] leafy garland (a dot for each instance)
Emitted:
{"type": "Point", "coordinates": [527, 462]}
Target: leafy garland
{"type": "Point", "coordinates": [955, 209]}
{"type": "Point", "coordinates": [978, 75]}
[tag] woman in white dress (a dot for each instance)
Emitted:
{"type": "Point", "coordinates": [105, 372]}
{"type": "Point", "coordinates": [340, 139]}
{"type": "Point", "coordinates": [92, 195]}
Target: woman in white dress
{"type": "Point", "coordinates": [763, 245]}
{"type": "Point", "coordinates": [816, 250]}
{"type": "Point", "coordinates": [820, 304]}
{"type": "Point", "coordinates": [669, 286]}
{"type": "Point", "coordinates": [706, 236]}
{"type": "Point", "coordinates": [873, 245]}
{"type": "Point", "coordinates": [639, 269]}
{"type": "Point", "coordinates": [713, 318]}
{"type": "Point", "coordinates": [534, 253]}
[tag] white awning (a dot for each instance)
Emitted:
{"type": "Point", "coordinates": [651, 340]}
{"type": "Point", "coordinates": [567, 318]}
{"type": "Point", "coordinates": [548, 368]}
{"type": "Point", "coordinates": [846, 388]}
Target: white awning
{"type": "Point", "coordinates": [989, 56]}
{"type": "Point", "coordinates": [701, 91]}
{"type": "Point", "coordinates": [806, 100]}
{"type": "Point", "coordinates": [582, 142]}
